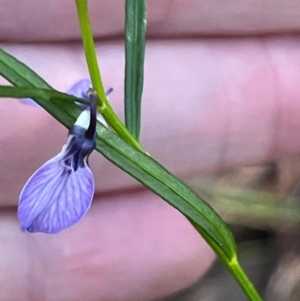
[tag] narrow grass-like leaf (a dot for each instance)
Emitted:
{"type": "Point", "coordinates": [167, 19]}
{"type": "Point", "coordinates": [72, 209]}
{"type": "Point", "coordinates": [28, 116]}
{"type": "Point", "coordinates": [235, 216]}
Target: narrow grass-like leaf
{"type": "Point", "coordinates": [145, 170]}
{"type": "Point", "coordinates": [48, 94]}
{"type": "Point", "coordinates": [139, 165]}
{"type": "Point", "coordinates": [20, 75]}
{"type": "Point", "coordinates": [134, 162]}
{"type": "Point", "coordinates": [150, 173]}
{"type": "Point", "coordinates": [135, 39]}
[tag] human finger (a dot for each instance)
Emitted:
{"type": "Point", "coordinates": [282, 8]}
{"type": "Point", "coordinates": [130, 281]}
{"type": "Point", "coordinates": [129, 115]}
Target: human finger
{"type": "Point", "coordinates": [42, 20]}
{"type": "Point", "coordinates": [212, 104]}
{"type": "Point", "coordinates": [128, 247]}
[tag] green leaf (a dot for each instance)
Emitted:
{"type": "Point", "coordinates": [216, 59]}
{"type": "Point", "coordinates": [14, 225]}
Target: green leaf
{"type": "Point", "coordinates": [144, 169]}
{"type": "Point", "coordinates": [48, 94]}
{"type": "Point", "coordinates": [154, 176]}
{"type": "Point", "coordinates": [20, 75]}
{"type": "Point", "coordinates": [136, 163]}
{"type": "Point", "coordinates": [135, 33]}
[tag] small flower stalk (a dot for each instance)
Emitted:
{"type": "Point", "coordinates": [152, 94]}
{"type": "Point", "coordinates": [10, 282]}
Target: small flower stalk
{"type": "Point", "coordinates": [61, 191]}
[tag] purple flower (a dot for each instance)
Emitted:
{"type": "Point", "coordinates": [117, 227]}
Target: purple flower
{"type": "Point", "coordinates": [60, 192]}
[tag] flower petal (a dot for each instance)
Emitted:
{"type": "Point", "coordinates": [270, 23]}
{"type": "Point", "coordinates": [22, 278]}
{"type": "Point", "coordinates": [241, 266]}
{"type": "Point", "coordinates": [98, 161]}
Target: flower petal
{"type": "Point", "coordinates": [101, 119]}
{"type": "Point", "coordinates": [80, 88]}
{"type": "Point", "coordinates": [55, 197]}
{"type": "Point", "coordinates": [29, 101]}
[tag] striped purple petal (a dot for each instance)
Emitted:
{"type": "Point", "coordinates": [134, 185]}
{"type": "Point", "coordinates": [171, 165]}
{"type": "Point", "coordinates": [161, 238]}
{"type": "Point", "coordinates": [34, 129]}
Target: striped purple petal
{"type": "Point", "coordinates": [55, 197]}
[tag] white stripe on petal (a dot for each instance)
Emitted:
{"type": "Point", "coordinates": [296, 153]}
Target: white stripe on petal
{"type": "Point", "coordinates": [83, 119]}
{"type": "Point", "coordinates": [101, 119]}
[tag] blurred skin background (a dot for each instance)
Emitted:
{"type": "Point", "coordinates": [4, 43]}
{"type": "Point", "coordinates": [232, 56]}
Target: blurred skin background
{"type": "Point", "coordinates": [221, 110]}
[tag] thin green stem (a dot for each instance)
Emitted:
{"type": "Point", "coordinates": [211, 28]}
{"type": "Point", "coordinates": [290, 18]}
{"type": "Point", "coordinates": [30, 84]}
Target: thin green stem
{"type": "Point", "coordinates": [242, 279]}
{"type": "Point", "coordinates": [89, 48]}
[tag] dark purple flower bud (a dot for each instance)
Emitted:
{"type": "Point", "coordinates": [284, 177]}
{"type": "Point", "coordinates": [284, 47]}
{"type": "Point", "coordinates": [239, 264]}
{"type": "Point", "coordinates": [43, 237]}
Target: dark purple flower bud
{"type": "Point", "coordinates": [60, 192]}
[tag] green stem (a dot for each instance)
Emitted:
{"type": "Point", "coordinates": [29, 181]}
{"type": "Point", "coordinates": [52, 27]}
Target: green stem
{"type": "Point", "coordinates": [91, 58]}
{"type": "Point", "coordinates": [242, 279]}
